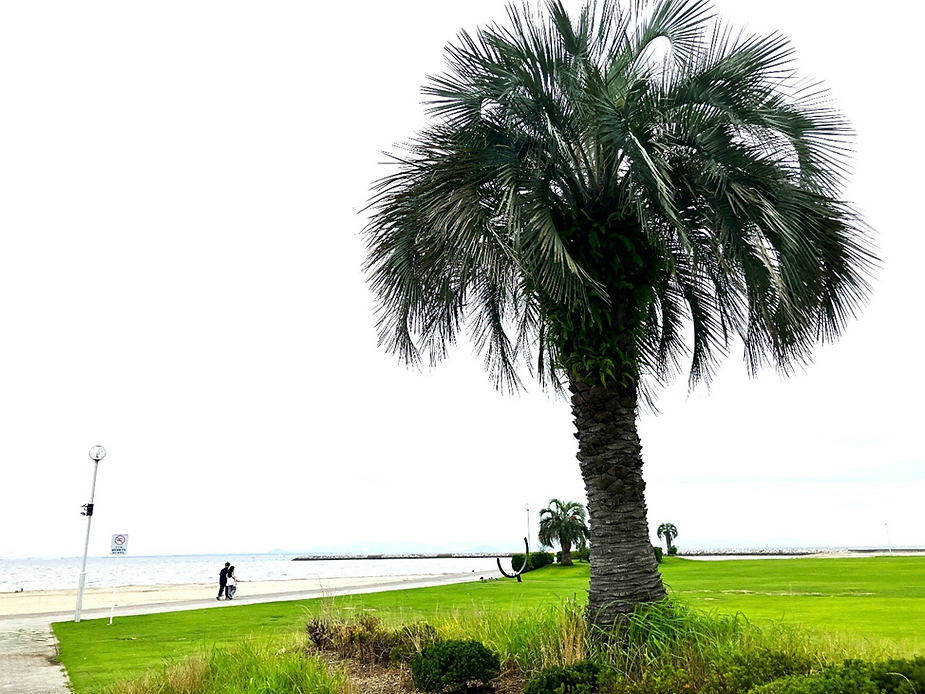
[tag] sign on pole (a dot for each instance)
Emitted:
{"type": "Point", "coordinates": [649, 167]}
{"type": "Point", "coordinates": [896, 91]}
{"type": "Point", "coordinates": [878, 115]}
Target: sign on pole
{"type": "Point", "coordinates": [119, 544]}
{"type": "Point", "coordinates": [118, 548]}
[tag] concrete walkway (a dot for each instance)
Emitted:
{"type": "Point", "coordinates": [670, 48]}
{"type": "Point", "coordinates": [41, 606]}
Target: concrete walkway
{"type": "Point", "coordinates": [29, 649]}
{"type": "Point", "coordinates": [27, 657]}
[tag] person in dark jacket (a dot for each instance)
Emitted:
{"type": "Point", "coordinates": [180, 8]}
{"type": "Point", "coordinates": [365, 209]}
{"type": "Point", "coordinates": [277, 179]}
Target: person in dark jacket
{"type": "Point", "coordinates": [223, 580]}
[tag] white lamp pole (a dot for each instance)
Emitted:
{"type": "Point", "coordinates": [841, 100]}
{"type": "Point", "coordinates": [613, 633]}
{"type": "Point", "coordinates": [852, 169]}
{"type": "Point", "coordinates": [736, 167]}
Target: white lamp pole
{"type": "Point", "coordinates": [527, 508]}
{"type": "Point", "coordinates": [97, 453]}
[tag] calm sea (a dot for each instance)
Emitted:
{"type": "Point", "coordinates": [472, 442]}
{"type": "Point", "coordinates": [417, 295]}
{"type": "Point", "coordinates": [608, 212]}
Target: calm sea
{"type": "Point", "coordinates": [55, 574]}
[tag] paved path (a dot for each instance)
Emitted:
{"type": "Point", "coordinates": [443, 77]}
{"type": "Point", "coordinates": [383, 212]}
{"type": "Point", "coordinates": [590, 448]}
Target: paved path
{"type": "Point", "coordinates": [28, 648]}
{"type": "Point", "coordinates": [27, 657]}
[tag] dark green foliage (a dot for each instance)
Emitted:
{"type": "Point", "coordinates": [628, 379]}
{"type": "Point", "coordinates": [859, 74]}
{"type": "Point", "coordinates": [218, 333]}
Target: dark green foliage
{"type": "Point", "coordinates": [537, 560]}
{"type": "Point", "coordinates": [658, 553]}
{"type": "Point", "coordinates": [672, 551]}
{"type": "Point", "coordinates": [580, 678]}
{"type": "Point", "coordinates": [664, 680]}
{"type": "Point", "coordinates": [453, 665]}
{"type": "Point", "coordinates": [773, 672]}
{"type": "Point", "coordinates": [900, 676]}
{"type": "Point", "coordinates": [577, 555]}
{"type": "Point", "coordinates": [854, 677]}
{"type": "Point", "coordinates": [742, 671]}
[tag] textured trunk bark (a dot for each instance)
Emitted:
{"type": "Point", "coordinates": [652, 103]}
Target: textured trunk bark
{"type": "Point", "coordinates": [624, 572]}
{"type": "Point", "coordinates": [566, 553]}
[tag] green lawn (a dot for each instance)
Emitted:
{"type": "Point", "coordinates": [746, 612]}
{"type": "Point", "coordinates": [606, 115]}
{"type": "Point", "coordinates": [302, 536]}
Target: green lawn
{"type": "Point", "coordinates": [863, 598]}
{"type": "Point", "coordinates": [879, 597]}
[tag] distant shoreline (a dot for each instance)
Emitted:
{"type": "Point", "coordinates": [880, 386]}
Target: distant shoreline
{"type": "Point", "coordinates": [734, 552]}
{"type": "Point", "coordinates": [449, 555]}
{"type": "Point", "coordinates": [801, 552]}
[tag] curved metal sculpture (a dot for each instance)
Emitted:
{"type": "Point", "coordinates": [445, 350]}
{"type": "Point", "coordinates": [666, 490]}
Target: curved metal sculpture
{"type": "Point", "coordinates": [519, 571]}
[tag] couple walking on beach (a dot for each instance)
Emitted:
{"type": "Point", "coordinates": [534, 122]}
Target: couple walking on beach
{"type": "Point", "coordinates": [227, 582]}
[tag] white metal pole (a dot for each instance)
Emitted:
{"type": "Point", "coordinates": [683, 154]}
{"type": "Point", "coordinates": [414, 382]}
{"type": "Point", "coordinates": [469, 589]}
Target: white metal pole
{"type": "Point", "coordinates": [115, 580]}
{"type": "Point", "coordinates": [97, 453]}
{"type": "Point", "coordinates": [527, 509]}
{"type": "Point", "coordinates": [888, 545]}
{"type": "Point", "coordinates": [83, 566]}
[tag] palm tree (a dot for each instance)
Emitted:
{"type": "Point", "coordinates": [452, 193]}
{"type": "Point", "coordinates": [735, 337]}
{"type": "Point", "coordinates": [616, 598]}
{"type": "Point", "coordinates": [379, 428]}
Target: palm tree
{"type": "Point", "coordinates": [668, 532]}
{"type": "Point", "coordinates": [563, 523]}
{"type": "Point", "coordinates": [609, 200]}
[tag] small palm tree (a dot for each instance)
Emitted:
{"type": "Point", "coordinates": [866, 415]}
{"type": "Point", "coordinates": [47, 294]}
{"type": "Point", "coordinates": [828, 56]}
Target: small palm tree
{"type": "Point", "coordinates": [563, 523]}
{"type": "Point", "coordinates": [668, 532]}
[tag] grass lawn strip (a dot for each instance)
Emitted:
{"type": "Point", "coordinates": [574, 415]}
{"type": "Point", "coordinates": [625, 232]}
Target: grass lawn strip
{"type": "Point", "coordinates": [867, 599]}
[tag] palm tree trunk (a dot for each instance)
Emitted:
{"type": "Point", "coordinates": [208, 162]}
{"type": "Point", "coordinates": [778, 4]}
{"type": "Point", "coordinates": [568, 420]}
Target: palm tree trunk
{"type": "Point", "coordinates": [624, 572]}
{"type": "Point", "coordinates": [566, 546]}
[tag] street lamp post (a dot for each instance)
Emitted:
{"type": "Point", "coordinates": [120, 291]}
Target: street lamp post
{"type": "Point", "coordinates": [527, 509]}
{"type": "Point", "coordinates": [97, 453]}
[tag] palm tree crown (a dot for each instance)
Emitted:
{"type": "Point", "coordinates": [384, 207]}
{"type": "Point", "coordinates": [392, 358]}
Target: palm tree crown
{"type": "Point", "coordinates": [608, 199]}
{"type": "Point", "coordinates": [563, 523]}
{"type": "Point", "coordinates": [577, 199]}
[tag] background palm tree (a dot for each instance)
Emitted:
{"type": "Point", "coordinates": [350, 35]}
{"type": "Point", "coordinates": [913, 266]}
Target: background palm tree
{"type": "Point", "coordinates": [668, 532]}
{"type": "Point", "coordinates": [563, 523]}
{"type": "Point", "coordinates": [609, 200]}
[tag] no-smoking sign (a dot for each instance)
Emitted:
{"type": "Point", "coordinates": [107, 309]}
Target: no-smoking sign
{"type": "Point", "coordinates": [119, 544]}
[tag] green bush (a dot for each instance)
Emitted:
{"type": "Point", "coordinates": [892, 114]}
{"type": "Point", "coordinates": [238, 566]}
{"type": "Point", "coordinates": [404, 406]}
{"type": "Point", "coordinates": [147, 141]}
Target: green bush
{"type": "Point", "coordinates": [658, 553]}
{"type": "Point", "coordinates": [580, 678]}
{"type": "Point", "coordinates": [664, 680]}
{"type": "Point", "coordinates": [851, 678]}
{"type": "Point", "coordinates": [536, 561]}
{"type": "Point", "coordinates": [855, 677]}
{"type": "Point", "coordinates": [577, 555]}
{"type": "Point", "coordinates": [900, 676]}
{"type": "Point", "coordinates": [453, 665]}
{"type": "Point", "coordinates": [742, 671]}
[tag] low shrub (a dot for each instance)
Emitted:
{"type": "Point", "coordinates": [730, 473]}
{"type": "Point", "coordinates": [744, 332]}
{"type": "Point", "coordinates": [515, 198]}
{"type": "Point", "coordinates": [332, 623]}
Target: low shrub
{"type": "Point", "coordinates": [454, 665]}
{"type": "Point", "coordinates": [658, 553]}
{"type": "Point", "coordinates": [662, 680]}
{"type": "Point", "coordinates": [580, 678]}
{"type": "Point", "coordinates": [851, 678]}
{"type": "Point", "coordinates": [367, 640]}
{"type": "Point", "coordinates": [537, 560]}
{"type": "Point", "coordinates": [900, 676]}
{"type": "Point", "coordinates": [895, 676]}
{"type": "Point", "coordinates": [741, 671]}
{"type": "Point", "coordinates": [577, 555]}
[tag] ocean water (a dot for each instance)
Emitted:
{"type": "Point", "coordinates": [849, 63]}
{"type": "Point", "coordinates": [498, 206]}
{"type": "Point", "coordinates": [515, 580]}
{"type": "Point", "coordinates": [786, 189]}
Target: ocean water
{"type": "Point", "coordinates": [63, 574]}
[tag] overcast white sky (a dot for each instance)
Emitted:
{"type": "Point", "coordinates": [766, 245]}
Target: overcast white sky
{"type": "Point", "coordinates": [181, 186]}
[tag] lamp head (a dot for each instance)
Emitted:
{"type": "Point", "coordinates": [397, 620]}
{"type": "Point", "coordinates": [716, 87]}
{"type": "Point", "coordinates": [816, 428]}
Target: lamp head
{"type": "Point", "coordinates": [97, 453]}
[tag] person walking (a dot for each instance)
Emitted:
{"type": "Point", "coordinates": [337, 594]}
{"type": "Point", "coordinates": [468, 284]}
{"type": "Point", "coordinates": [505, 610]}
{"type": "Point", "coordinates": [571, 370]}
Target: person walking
{"type": "Point", "coordinates": [223, 581]}
{"type": "Point", "coordinates": [232, 584]}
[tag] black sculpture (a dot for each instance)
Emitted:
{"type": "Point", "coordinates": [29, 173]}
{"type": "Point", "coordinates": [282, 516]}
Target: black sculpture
{"type": "Point", "coordinates": [522, 568]}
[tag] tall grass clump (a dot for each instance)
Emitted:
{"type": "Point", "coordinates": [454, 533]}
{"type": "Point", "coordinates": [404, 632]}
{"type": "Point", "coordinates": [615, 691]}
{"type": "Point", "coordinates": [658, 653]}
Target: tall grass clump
{"type": "Point", "coordinates": [555, 634]}
{"type": "Point", "coordinates": [253, 667]}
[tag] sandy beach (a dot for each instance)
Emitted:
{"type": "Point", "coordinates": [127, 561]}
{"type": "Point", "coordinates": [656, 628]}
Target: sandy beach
{"type": "Point", "coordinates": [135, 599]}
